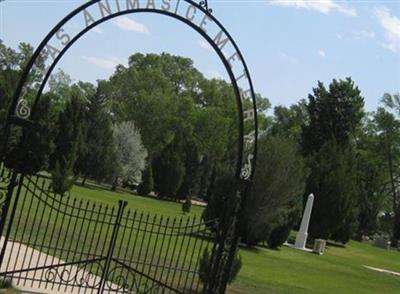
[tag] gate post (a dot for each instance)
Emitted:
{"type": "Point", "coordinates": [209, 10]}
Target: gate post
{"type": "Point", "coordinates": [121, 208]}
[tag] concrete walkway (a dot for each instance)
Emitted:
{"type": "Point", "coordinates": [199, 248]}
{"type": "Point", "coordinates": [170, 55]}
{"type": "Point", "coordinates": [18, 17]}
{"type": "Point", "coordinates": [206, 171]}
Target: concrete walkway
{"type": "Point", "coordinates": [382, 270]}
{"type": "Point", "coordinates": [20, 257]}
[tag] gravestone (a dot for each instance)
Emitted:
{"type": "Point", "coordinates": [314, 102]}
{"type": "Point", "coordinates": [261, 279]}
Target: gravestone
{"type": "Point", "coordinates": [302, 235]}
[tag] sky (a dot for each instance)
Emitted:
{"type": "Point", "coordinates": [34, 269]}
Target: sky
{"type": "Point", "coordinates": [288, 45]}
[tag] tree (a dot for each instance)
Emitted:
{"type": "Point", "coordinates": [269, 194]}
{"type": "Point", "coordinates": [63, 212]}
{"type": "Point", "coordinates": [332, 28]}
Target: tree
{"type": "Point", "coordinates": [333, 113]}
{"type": "Point", "coordinates": [130, 152]}
{"type": "Point", "coordinates": [388, 128]}
{"type": "Point", "coordinates": [332, 181]}
{"type": "Point", "coordinates": [328, 140]}
{"type": "Point", "coordinates": [67, 144]}
{"type": "Point", "coordinates": [278, 189]}
{"type": "Point", "coordinates": [371, 174]}
{"type": "Point", "coordinates": [99, 141]}
{"type": "Point", "coordinates": [169, 171]}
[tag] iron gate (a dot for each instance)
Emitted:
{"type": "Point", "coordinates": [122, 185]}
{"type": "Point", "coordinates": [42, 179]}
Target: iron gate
{"type": "Point", "coordinates": [59, 244]}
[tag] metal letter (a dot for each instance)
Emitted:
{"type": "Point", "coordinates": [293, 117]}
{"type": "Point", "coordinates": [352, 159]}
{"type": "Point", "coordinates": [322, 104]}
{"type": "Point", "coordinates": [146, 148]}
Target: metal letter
{"type": "Point", "coordinates": [188, 12]}
{"type": "Point", "coordinates": [52, 51]}
{"type": "Point", "coordinates": [105, 9]}
{"type": "Point", "coordinates": [167, 5]}
{"type": "Point", "coordinates": [232, 58]}
{"type": "Point", "coordinates": [220, 43]}
{"type": "Point", "coordinates": [88, 18]}
{"type": "Point", "coordinates": [61, 35]}
{"type": "Point", "coordinates": [132, 4]}
{"type": "Point", "coordinates": [204, 23]}
{"type": "Point", "coordinates": [151, 3]}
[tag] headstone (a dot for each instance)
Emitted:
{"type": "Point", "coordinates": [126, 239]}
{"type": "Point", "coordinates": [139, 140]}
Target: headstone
{"type": "Point", "coordinates": [382, 242]}
{"type": "Point", "coordinates": [319, 246]}
{"type": "Point", "coordinates": [302, 235]}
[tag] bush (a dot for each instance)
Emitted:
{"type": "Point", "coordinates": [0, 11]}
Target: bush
{"type": "Point", "coordinates": [279, 235]}
{"type": "Point", "coordinates": [205, 268]}
{"type": "Point", "coordinates": [187, 205]}
{"type": "Point", "coordinates": [220, 204]}
{"type": "Point", "coordinates": [147, 184]}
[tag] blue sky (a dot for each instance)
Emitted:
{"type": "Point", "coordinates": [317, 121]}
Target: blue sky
{"type": "Point", "coordinates": [288, 44]}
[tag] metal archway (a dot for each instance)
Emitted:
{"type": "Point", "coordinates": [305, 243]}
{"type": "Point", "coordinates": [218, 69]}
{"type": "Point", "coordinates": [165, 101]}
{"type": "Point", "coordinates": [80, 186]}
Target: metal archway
{"type": "Point", "coordinates": [198, 17]}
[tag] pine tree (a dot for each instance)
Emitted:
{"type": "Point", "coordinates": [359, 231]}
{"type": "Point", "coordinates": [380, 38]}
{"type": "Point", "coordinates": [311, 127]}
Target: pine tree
{"type": "Point", "coordinates": [68, 142]}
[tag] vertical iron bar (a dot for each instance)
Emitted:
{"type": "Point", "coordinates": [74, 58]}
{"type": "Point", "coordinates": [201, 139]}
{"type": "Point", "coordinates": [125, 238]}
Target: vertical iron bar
{"type": "Point", "coordinates": [179, 256]}
{"type": "Point", "coordinates": [4, 214]}
{"type": "Point", "coordinates": [147, 245]}
{"type": "Point", "coordinates": [173, 254]}
{"type": "Point", "coordinates": [186, 253]}
{"type": "Point", "coordinates": [121, 207]}
{"type": "Point", "coordinates": [9, 196]}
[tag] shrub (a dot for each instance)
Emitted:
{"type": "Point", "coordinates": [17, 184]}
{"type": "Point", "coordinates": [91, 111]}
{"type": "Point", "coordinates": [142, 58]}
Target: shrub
{"type": "Point", "coordinates": [205, 268]}
{"type": "Point", "coordinates": [279, 235]}
{"type": "Point", "coordinates": [187, 205]}
{"type": "Point", "coordinates": [147, 184]}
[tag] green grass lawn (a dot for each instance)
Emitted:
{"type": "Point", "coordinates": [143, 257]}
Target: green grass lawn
{"type": "Point", "coordinates": [339, 270]}
{"type": "Point", "coordinates": [135, 202]}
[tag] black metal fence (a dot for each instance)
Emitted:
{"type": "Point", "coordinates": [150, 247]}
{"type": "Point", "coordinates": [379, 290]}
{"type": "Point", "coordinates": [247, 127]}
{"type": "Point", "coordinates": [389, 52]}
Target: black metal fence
{"type": "Point", "coordinates": [60, 244]}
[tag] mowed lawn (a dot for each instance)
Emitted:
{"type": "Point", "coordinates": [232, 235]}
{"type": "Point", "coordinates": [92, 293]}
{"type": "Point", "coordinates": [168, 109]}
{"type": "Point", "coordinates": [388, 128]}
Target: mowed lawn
{"type": "Point", "coordinates": [142, 204]}
{"type": "Point", "coordinates": [339, 270]}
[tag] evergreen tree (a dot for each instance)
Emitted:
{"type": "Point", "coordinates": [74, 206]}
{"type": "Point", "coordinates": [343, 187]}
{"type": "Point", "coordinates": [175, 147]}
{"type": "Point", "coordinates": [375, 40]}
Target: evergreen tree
{"type": "Point", "coordinates": [169, 171]}
{"type": "Point", "coordinates": [328, 139]}
{"type": "Point", "coordinates": [68, 141]}
{"type": "Point", "coordinates": [332, 181]}
{"type": "Point", "coordinates": [98, 141]}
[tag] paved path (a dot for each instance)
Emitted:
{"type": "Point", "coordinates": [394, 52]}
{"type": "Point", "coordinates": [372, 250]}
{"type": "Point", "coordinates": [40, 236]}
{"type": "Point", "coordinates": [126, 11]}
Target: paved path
{"type": "Point", "coordinates": [19, 256]}
{"type": "Point", "coordinates": [382, 270]}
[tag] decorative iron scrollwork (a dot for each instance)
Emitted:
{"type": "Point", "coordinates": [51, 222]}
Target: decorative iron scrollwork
{"type": "Point", "coordinates": [121, 279]}
{"type": "Point", "coordinates": [80, 277]}
{"type": "Point", "coordinates": [23, 110]}
{"type": "Point", "coordinates": [247, 169]}
{"type": "Point", "coordinates": [204, 4]}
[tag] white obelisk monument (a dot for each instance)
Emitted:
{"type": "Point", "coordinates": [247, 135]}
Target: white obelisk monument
{"type": "Point", "coordinates": [302, 235]}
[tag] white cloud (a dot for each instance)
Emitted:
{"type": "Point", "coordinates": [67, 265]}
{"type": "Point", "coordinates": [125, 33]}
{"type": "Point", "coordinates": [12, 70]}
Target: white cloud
{"type": "Point", "coordinates": [104, 63]}
{"type": "Point", "coordinates": [321, 53]}
{"type": "Point", "coordinates": [391, 25]}
{"type": "Point", "coordinates": [364, 35]}
{"type": "Point", "coordinates": [204, 44]}
{"type": "Point", "coordinates": [288, 57]}
{"type": "Point", "coordinates": [339, 36]}
{"type": "Point", "coordinates": [127, 24]}
{"type": "Point", "coordinates": [322, 6]}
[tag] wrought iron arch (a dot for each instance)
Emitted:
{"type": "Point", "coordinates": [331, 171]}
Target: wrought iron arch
{"type": "Point", "coordinates": [20, 112]}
